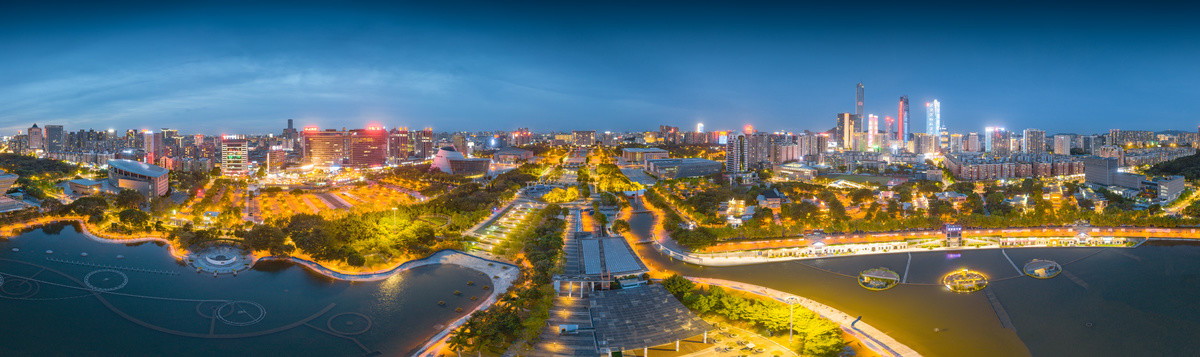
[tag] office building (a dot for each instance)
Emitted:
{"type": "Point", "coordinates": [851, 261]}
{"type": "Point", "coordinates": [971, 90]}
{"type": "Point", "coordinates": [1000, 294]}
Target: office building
{"type": "Point", "coordinates": [640, 155]}
{"type": "Point", "coordinates": [666, 169]}
{"type": "Point", "coordinates": [235, 152]}
{"type": "Point", "coordinates": [858, 100]}
{"type": "Point", "coordinates": [324, 148]}
{"type": "Point", "coordinates": [368, 147]}
{"type": "Point", "coordinates": [35, 139]}
{"type": "Point", "coordinates": [902, 122]}
{"type": "Point", "coordinates": [933, 120]}
{"type": "Point", "coordinates": [54, 138]}
{"type": "Point", "coordinates": [147, 179]}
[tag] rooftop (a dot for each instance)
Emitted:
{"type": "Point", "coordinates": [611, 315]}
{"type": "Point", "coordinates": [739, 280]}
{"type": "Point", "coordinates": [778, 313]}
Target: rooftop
{"type": "Point", "coordinates": [643, 316]}
{"type": "Point", "coordinates": [643, 150]}
{"type": "Point", "coordinates": [139, 168]}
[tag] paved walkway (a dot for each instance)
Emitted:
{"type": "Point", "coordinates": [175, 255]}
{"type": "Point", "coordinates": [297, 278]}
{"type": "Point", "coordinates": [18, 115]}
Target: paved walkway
{"type": "Point", "coordinates": [870, 336]}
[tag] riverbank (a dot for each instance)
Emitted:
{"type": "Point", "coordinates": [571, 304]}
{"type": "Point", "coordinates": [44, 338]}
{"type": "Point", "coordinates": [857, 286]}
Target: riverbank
{"type": "Point", "coordinates": [866, 334]}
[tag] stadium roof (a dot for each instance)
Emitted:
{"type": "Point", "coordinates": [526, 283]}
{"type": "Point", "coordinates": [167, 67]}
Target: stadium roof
{"type": "Point", "coordinates": [139, 168]}
{"type": "Point", "coordinates": [645, 316]}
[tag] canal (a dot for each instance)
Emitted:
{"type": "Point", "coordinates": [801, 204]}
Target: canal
{"type": "Point", "coordinates": [157, 306]}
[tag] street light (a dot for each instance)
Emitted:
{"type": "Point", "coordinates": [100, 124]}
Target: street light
{"type": "Point", "coordinates": [791, 317]}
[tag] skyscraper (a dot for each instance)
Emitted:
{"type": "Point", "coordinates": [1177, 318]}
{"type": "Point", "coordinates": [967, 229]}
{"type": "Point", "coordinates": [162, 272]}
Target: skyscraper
{"type": "Point", "coordinates": [872, 130]}
{"type": "Point", "coordinates": [699, 127]}
{"type": "Point", "coordinates": [845, 130]}
{"type": "Point", "coordinates": [902, 121]}
{"type": "Point", "coordinates": [933, 120]}
{"type": "Point", "coordinates": [858, 101]}
{"type": "Point", "coordinates": [54, 138]}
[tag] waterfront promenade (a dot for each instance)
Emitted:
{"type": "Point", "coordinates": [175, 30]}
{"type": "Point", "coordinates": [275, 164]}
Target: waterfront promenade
{"type": "Point", "coordinates": [870, 336]}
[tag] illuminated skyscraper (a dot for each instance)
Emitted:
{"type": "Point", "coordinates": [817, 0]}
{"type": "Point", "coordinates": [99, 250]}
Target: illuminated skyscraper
{"type": "Point", "coordinates": [858, 101]}
{"type": "Point", "coordinates": [998, 141]}
{"type": "Point", "coordinates": [845, 130]}
{"type": "Point", "coordinates": [872, 130]}
{"type": "Point", "coordinates": [933, 120]}
{"type": "Point", "coordinates": [699, 127]}
{"type": "Point", "coordinates": [902, 121]}
{"type": "Point", "coordinates": [735, 153]}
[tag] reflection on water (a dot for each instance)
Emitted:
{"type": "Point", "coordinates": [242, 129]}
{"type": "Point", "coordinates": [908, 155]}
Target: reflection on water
{"type": "Point", "coordinates": [1143, 301]}
{"type": "Point", "coordinates": [157, 307]}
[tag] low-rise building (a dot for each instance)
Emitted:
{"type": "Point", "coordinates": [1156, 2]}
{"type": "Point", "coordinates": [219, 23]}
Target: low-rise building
{"type": "Point", "coordinates": [149, 180]}
{"type": "Point", "coordinates": [512, 155]}
{"type": "Point", "coordinates": [641, 155]}
{"type": "Point", "coordinates": [678, 168]}
{"type": "Point", "coordinates": [794, 171]}
{"type": "Point", "coordinates": [453, 162]}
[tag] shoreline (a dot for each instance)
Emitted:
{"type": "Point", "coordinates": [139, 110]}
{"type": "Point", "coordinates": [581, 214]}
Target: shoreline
{"type": "Point", "coordinates": [868, 335]}
{"type": "Point", "coordinates": [501, 274]}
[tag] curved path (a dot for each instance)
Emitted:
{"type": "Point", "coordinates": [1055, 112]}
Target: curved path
{"type": "Point", "coordinates": [870, 336]}
{"type": "Point", "coordinates": [502, 275]}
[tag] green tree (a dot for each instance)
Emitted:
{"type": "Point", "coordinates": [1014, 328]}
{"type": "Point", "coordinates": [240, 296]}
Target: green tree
{"type": "Point", "coordinates": [134, 218]}
{"type": "Point", "coordinates": [678, 285]}
{"type": "Point", "coordinates": [128, 198]}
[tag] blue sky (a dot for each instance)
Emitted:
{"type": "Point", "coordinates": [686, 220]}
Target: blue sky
{"type": "Point", "coordinates": [226, 66]}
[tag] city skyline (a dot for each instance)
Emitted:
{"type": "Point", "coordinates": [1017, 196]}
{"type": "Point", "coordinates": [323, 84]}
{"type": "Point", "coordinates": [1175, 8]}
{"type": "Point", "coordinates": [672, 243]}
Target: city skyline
{"type": "Point", "coordinates": [545, 67]}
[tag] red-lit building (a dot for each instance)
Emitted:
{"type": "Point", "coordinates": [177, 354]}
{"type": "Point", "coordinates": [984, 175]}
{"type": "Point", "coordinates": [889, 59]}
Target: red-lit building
{"type": "Point", "coordinates": [368, 147]}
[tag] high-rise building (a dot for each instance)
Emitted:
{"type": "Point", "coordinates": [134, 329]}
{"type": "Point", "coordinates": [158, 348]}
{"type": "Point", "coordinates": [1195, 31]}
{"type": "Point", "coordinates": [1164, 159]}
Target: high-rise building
{"type": "Point", "coordinates": [368, 147]}
{"type": "Point", "coordinates": [399, 143]}
{"type": "Point", "coordinates": [845, 130]}
{"type": "Point", "coordinates": [35, 140]}
{"type": "Point", "coordinates": [423, 143]}
{"type": "Point", "coordinates": [902, 121]}
{"type": "Point", "coordinates": [699, 127]}
{"type": "Point", "coordinates": [583, 137]}
{"type": "Point", "coordinates": [887, 128]}
{"type": "Point", "coordinates": [1062, 144]}
{"type": "Point", "coordinates": [997, 141]}
{"type": "Point", "coordinates": [955, 144]}
{"type": "Point", "coordinates": [324, 148]}
{"type": "Point", "coordinates": [923, 143]}
{"type": "Point", "coordinates": [972, 143]}
{"type": "Point", "coordinates": [735, 153]}
{"type": "Point", "coordinates": [872, 130]}
{"type": "Point", "coordinates": [1033, 141]}
{"type": "Point", "coordinates": [858, 100]}
{"type": "Point", "coordinates": [290, 136]}
{"type": "Point", "coordinates": [152, 144]}
{"type": "Point", "coordinates": [54, 138]}
{"type": "Point", "coordinates": [933, 120]}
{"type": "Point", "coordinates": [235, 152]}
{"type": "Point", "coordinates": [460, 143]}
{"type": "Point", "coordinates": [521, 137]}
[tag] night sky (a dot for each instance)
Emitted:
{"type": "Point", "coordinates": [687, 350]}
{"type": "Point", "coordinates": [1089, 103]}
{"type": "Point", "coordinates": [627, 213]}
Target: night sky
{"type": "Point", "coordinates": [225, 66]}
